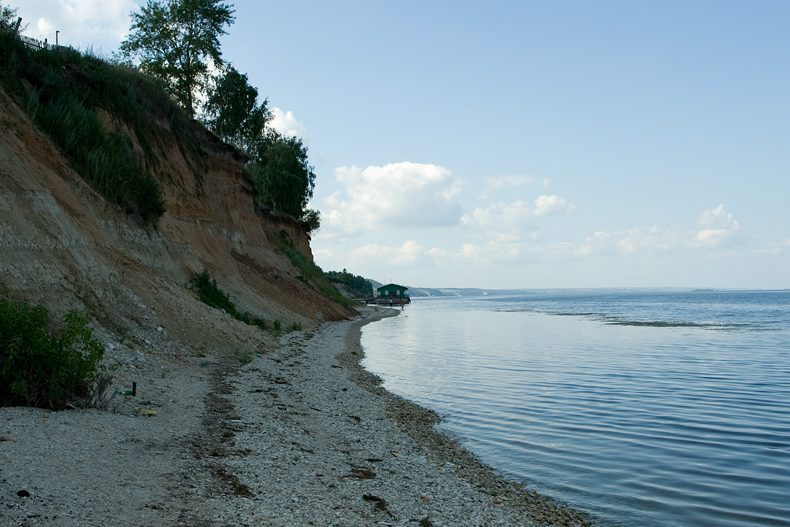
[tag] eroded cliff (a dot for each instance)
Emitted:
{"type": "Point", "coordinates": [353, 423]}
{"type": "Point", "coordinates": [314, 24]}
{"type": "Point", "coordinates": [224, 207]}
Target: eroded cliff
{"type": "Point", "coordinates": [65, 246]}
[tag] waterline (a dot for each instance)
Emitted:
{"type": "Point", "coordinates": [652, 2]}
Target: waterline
{"type": "Point", "coordinates": [641, 425]}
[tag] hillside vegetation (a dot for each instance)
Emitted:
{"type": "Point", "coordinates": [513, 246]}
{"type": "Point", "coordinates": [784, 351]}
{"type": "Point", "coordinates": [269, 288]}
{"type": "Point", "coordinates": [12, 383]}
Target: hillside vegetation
{"type": "Point", "coordinates": [68, 95]}
{"type": "Point", "coordinates": [353, 285]}
{"type": "Point", "coordinates": [116, 205]}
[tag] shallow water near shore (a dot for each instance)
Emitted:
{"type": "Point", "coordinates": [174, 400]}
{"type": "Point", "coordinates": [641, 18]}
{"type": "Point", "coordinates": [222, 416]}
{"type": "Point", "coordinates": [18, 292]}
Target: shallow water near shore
{"type": "Point", "coordinates": [642, 408]}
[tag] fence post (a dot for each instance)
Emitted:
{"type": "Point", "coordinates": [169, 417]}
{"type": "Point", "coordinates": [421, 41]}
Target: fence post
{"type": "Point", "coordinates": [16, 26]}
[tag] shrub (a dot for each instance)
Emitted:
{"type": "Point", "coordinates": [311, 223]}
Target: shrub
{"type": "Point", "coordinates": [356, 285]}
{"type": "Point", "coordinates": [311, 220]}
{"type": "Point", "coordinates": [40, 366]}
{"type": "Point", "coordinates": [209, 292]}
{"type": "Point", "coordinates": [311, 274]}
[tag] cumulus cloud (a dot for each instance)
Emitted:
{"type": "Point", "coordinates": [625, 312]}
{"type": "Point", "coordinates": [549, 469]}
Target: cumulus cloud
{"type": "Point", "coordinates": [468, 253]}
{"type": "Point", "coordinates": [550, 205]}
{"type": "Point", "coordinates": [397, 194]}
{"type": "Point", "coordinates": [405, 254]}
{"type": "Point", "coordinates": [494, 250]}
{"type": "Point", "coordinates": [495, 184]}
{"type": "Point", "coordinates": [286, 123]}
{"type": "Point", "coordinates": [716, 226]}
{"type": "Point", "coordinates": [45, 27]}
{"type": "Point", "coordinates": [593, 243]}
{"type": "Point", "coordinates": [503, 216]}
{"type": "Point", "coordinates": [499, 215]}
{"type": "Point", "coordinates": [629, 241]}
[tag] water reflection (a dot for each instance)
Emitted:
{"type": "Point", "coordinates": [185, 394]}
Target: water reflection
{"type": "Point", "coordinates": [640, 425]}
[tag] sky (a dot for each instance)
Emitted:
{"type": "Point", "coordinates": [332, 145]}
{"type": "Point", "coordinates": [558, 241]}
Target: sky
{"type": "Point", "coordinates": [521, 144]}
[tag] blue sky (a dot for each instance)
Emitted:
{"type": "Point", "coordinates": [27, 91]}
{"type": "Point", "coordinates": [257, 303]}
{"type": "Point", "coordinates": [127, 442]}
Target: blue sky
{"type": "Point", "coordinates": [523, 144]}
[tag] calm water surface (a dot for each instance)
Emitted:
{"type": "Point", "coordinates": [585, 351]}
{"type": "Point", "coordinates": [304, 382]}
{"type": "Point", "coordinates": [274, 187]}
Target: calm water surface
{"type": "Point", "coordinates": [643, 408]}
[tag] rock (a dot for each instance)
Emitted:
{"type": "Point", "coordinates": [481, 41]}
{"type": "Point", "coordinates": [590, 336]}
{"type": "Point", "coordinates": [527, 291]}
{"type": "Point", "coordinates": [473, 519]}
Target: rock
{"type": "Point", "coordinates": [361, 473]}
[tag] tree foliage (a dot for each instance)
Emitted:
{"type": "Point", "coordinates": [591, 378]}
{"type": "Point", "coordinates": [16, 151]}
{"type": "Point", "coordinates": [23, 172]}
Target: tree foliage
{"type": "Point", "coordinates": [7, 14]}
{"type": "Point", "coordinates": [233, 112]}
{"type": "Point", "coordinates": [284, 179]}
{"type": "Point", "coordinates": [356, 285]}
{"type": "Point", "coordinates": [176, 41]}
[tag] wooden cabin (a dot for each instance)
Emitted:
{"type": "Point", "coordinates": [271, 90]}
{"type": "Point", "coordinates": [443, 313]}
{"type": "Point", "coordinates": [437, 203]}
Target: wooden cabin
{"type": "Point", "coordinates": [391, 295]}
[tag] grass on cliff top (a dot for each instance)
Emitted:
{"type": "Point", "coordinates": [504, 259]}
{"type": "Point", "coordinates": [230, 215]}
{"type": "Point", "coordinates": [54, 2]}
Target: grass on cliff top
{"type": "Point", "coordinates": [311, 274]}
{"type": "Point", "coordinates": [63, 91]}
{"type": "Point", "coordinates": [41, 365]}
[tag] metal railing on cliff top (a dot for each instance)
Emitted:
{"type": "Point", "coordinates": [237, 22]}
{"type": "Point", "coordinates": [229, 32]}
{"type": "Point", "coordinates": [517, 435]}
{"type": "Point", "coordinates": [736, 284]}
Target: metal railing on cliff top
{"type": "Point", "coordinates": [27, 41]}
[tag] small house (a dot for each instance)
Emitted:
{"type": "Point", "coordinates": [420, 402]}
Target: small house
{"type": "Point", "coordinates": [392, 294]}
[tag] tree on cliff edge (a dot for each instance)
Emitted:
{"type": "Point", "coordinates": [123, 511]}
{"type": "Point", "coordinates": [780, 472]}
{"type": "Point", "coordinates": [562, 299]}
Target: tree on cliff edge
{"type": "Point", "coordinates": [176, 40]}
{"type": "Point", "coordinates": [233, 113]}
{"type": "Point", "coordinates": [284, 178]}
{"type": "Point", "coordinates": [7, 14]}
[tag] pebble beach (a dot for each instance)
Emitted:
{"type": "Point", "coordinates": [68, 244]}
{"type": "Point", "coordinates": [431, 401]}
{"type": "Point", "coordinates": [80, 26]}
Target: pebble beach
{"type": "Point", "coordinates": [300, 435]}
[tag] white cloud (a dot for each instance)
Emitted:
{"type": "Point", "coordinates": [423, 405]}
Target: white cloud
{"type": "Point", "coordinates": [499, 215]}
{"type": "Point", "coordinates": [647, 239]}
{"type": "Point", "coordinates": [98, 24]}
{"type": "Point", "coordinates": [286, 123]}
{"type": "Point", "coordinates": [110, 17]}
{"type": "Point", "coordinates": [775, 249]}
{"type": "Point", "coordinates": [551, 205]}
{"type": "Point", "coordinates": [397, 194]}
{"type": "Point", "coordinates": [508, 225]}
{"type": "Point", "coordinates": [467, 253]}
{"type": "Point", "coordinates": [322, 253]}
{"type": "Point", "coordinates": [630, 241]}
{"type": "Point", "coordinates": [45, 27]}
{"type": "Point", "coordinates": [405, 254]}
{"type": "Point", "coordinates": [594, 243]}
{"type": "Point", "coordinates": [515, 213]}
{"type": "Point", "coordinates": [716, 226]}
{"type": "Point", "coordinates": [505, 182]}
{"type": "Point", "coordinates": [492, 251]}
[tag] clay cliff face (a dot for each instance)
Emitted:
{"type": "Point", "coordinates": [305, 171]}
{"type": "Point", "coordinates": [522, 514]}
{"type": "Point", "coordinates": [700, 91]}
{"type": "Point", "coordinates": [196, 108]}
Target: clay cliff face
{"type": "Point", "coordinates": [63, 245]}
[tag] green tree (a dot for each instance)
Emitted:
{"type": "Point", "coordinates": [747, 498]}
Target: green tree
{"type": "Point", "coordinates": [355, 285]}
{"type": "Point", "coordinates": [284, 179]}
{"type": "Point", "coordinates": [233, 113]}
{"type": "Point", "coordinates": [176, 41]}
{"type": "Point", "coordinates": [7, 14]}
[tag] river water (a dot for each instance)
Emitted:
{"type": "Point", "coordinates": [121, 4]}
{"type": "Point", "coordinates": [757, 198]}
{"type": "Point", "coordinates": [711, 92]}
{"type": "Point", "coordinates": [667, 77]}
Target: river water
{"type": "Point", "coordinates": [641, 407]}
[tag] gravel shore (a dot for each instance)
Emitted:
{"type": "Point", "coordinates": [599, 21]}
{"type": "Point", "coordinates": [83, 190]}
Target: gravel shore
{"type": "Point", "coordinates": [301, 435]}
